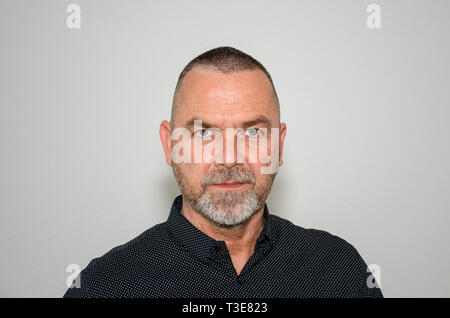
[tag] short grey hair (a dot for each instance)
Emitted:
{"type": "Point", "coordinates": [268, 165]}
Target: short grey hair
{"type": "Point", "coordinates": [226, 60]}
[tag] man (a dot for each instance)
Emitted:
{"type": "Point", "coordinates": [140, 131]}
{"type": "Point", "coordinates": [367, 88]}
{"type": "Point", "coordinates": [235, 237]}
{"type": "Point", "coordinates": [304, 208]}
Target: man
{"type": "Point", "coordinates": [219, 239]}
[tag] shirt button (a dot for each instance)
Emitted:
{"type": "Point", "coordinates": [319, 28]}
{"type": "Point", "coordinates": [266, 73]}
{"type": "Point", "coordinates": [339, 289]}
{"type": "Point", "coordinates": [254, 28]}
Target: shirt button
{"type": "Point", "coordinates": [239, 280]}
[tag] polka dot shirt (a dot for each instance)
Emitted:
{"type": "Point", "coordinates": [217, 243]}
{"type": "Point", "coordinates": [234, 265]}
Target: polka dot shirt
{"type": "Point", "coordinates": [175, 259]}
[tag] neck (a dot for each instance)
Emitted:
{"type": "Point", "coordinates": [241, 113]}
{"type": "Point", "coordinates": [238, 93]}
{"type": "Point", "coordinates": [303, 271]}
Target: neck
{"type": "Point", "coordinates": [240, 241]}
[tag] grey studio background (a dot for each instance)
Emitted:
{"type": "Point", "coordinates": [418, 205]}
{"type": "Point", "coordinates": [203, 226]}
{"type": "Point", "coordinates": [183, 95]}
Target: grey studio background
{"type": "Point", "coordinates": [366, 155]}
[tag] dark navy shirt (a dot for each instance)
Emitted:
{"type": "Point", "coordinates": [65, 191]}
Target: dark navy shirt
{"type": "Point", "coordinates": [175, 259]}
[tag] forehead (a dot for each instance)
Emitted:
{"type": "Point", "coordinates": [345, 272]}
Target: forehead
{"type": "Point", "coordinates": [225, 99]}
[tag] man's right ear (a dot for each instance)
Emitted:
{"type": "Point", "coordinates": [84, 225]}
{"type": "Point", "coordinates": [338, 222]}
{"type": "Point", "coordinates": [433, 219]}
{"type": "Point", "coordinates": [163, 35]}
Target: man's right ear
{"type": "Point", "coordinates": [165, 135]}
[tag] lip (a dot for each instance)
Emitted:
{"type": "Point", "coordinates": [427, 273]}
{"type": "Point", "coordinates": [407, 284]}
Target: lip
{"type": "Point", "coordinates": [229, 185]}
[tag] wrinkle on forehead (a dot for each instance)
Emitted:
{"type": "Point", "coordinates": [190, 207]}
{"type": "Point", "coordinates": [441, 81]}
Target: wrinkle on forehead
{"type": "Point", "coordinates": [220, 120]}
{"type": "Point", "coordinates": [212, 92]}
{"type": "Point", "coordinates": [200, 85]}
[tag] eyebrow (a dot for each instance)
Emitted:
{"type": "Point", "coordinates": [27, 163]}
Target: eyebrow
{"type": "Point", "coordinates": [258, 120]}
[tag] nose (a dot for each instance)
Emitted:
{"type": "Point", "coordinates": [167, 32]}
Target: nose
{"type": "Point", "coordinates": [233, 150]}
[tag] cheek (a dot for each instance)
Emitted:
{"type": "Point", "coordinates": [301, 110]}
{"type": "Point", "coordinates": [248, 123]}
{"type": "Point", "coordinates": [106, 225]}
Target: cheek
{"type": "Point", "coordinates": [262, 181]}
{"type": "Point", "coordinates": [195, 172]}
{"type": "Point", "coordinates": [255, 168]}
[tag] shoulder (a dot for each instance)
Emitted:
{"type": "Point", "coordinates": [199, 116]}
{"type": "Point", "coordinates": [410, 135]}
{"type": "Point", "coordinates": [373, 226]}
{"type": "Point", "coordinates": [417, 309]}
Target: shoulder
{"type": "Point", "coordinates": [121, 263]}
{"type": "Point", "coordinates": [147, 241]}
{"type": "Point", "coordinates": [312, 237]}
{"type": "Point", "coordinates": [328, 256]}
{"type": "Point", "coordinates": [150, 238]}
{"type": "Point", "coordinates": [317, 247]}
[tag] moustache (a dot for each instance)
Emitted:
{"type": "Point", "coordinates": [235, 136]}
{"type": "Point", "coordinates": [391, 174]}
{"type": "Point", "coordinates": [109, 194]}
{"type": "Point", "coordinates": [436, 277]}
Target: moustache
{"type": "Point", "coordinates": [224, 175]}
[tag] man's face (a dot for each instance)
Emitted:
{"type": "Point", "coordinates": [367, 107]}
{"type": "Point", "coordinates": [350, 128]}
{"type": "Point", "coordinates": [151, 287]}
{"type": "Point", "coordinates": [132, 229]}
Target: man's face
{"type": "Point", "coordinates": [226, 101]}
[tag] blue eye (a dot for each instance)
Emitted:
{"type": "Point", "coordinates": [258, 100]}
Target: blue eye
{"type": "Point", "coordinates": [202, 132]}
{"type": "Point", "coordinates": [253, 132]}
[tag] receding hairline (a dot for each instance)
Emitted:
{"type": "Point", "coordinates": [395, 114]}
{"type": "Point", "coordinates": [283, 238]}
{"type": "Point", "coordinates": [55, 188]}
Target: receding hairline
{"type": "Point", "coordinates": [226, 60]}
{"type": "Point", "coordinates": [175, 104]}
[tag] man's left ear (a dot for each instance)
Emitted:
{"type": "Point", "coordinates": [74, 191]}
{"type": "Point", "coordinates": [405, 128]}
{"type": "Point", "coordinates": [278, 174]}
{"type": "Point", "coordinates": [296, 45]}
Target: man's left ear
{"type": "Point", "coordinates": [283, 131]}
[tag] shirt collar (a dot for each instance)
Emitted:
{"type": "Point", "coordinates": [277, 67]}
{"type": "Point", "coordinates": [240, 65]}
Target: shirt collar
{"type": "Point", "coordinates": [197, 242]}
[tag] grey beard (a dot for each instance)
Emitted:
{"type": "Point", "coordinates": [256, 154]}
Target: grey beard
{"type": "Point", "coordinates": [227, 209]}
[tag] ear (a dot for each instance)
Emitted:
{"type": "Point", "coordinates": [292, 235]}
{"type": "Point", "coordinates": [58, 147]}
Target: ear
{"type": "Point", "coordinates": [165, 135]}
{"type": "Point", "coordinates": [283, 130]}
